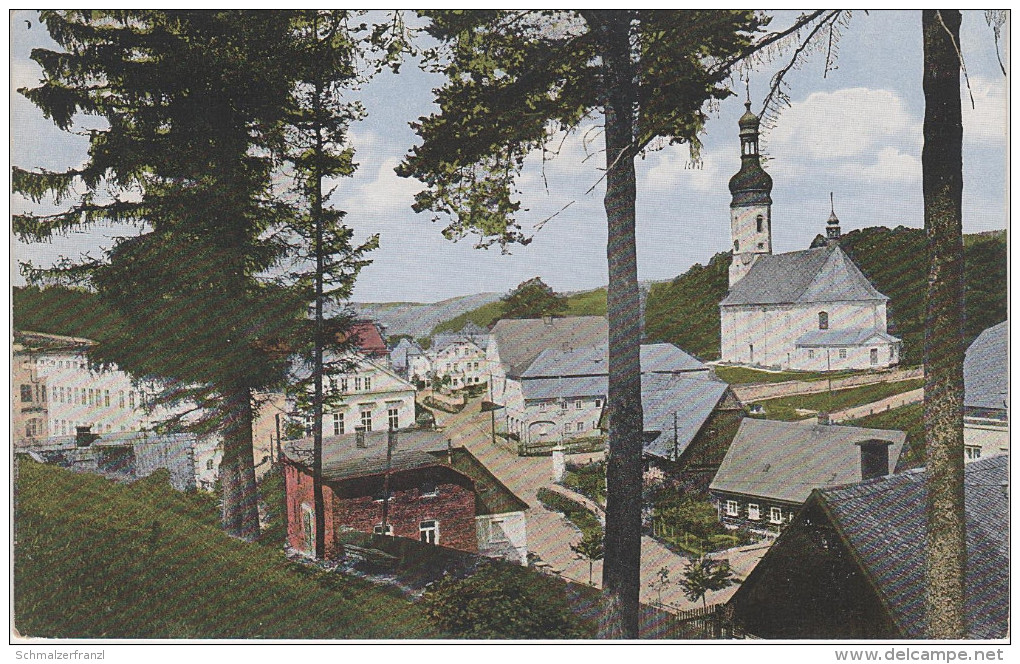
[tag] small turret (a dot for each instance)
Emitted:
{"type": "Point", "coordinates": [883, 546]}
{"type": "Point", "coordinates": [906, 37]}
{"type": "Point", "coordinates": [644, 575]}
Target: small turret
{"type": "Point", "coordinates": [832, 233]}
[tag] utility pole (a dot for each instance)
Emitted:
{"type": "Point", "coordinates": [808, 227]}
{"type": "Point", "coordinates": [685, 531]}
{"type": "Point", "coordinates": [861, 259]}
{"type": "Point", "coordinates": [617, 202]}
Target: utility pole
{"type": "Point", "coordinates": [492, 412]}
{"type": "Point", "coordinates": [391, 437]}
{"type": "Point", "coordinates": [279, 443]}
{"type": "Point", "coordinates": [675, 439]}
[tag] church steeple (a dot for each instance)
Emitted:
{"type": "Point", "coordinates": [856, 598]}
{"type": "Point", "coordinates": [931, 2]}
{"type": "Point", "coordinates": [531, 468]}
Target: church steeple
{"type": "Point", "coordinates": [832, 233]}
{"type": "Point", "coordinates": [751, 205]}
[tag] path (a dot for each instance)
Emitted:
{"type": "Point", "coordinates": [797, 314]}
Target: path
{"type": "Point", "coordinates": [895, 401]}
{"type": "Point", "coordinates": [550, 534]}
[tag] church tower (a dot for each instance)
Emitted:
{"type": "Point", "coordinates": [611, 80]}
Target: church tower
{"type": "Point", "coordinates": [751, 206]}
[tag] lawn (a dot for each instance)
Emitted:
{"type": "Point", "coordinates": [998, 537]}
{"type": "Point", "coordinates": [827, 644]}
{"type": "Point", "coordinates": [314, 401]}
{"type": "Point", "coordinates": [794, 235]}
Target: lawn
{"type": "Point", "coordinates": [96, 559]}
{"type": "Point", "coordinates": [747, 376]}
{"type": "Point", "coordinates": [908, 418]}
{"type": "Point", "coordinates": [784, 408]}
{"type": "Point", "coordinates": [577, 513]}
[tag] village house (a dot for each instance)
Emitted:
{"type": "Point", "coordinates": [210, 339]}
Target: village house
{"type": "Point", "coordinates": [422, 488]}
{"type": "Point", "coordinates": [809, 310]}
{"type": "Point", "coordinates": [771, 468]}
{"type": "Point", "coordinates": [986, 394]}
{"type": "Point", "coordinates": [459, 358]}
{"type": "Point", "coordinates": [562, 393]}
{"type": "Point", "coordinates": [402, 355]}
{"type": "Point", "coordinates": [852, 565]}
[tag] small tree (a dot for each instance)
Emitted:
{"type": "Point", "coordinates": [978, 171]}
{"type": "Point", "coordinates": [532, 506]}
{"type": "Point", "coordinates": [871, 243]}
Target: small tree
{"type": "Point", "coordinates": [703, 576]}
{"type": "Point", "coordinates": [532, 299]}
{"type": "Point", "coordinates": [591, 548]}
{"type": "Point", "coordinates": [660, 582]}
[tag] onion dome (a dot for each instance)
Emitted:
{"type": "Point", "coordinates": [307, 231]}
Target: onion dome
{"type": "Point", "coordinates": [751, 185]}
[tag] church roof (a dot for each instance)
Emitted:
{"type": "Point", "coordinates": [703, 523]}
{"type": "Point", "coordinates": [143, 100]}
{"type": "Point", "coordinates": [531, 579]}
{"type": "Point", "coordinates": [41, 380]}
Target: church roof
{"type": "Point", "coordinates": [850, 337]}
{"type": "Point", "coordinates": [825, 274]}
{"type": "Point", "coordinates": [986, 369]}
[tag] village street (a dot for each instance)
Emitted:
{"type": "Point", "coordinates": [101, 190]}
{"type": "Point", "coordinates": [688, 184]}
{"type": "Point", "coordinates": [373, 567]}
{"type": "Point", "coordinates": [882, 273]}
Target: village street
{"type": "Point", "coordinates": [550, 534]}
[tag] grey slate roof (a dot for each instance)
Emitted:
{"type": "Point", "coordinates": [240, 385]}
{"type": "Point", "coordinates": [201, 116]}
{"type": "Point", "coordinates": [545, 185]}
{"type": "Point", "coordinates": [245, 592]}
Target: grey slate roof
{"type": "Point", "coordinates": [520, 341]}
{"type": "Point", "coordinates": [825, 274]}
{"type": "Point", "coordinates": [691, 398]}
{"type": "Point", "coordinates": [594, 360]}
{"type": "Point", "coordinates": [986, 369]}
{"type": "Point", "coordinates": [565, 388]}
{"type": "Point", "coordinates": [884, 522]}
{"type": "Point", "coordinates": [400, 353]}
{"type": "Point", "coordinates": [851, 337]}
{"type": "Point", "coordinates": [785, 460]}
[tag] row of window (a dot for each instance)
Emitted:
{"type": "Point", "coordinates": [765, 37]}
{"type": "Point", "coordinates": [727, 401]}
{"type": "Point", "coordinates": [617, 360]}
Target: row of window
{"type": "Point", "coordinates": [754, 512]}
{"type": "Point", "coordinates": [361, 383]}
{"type": "Point", "coordinates": [62, 364]}
{"type": "Point", "coordinates": [565, 404]}
{"type": "Point", "coordinates": [428, 530]}
{"type": "Point", "coordinates": [364, 421]}
{"type": "Point", "coordinates": [67, 427]}
{"type": "Point", "coordinates": [78, 396]}
{"type": "Point", "coordinates": [842, 354]}
{"type": "Point", "coordinates": [456, 366]}
{"type": "Point", "coordinates": [569, 427]}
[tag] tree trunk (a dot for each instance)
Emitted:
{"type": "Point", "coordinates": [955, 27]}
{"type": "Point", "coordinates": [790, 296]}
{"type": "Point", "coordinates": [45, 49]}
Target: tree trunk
{"type": "Point", "coordinates": [237, 470]}
{"type": "Point", "coordinates": [621, 569]}
{"type": "Point", "coordinates": [317, 490]}
{"type": "Point", "coordinates": [942, 180]}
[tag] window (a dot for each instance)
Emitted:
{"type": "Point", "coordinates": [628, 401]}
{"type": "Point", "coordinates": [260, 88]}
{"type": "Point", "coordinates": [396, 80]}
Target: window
{"type": "Point", "coordinates": [106, 398]}
{"type": "Point", "coordinates": [428, 531]}
{"type": "Point", "coordinates": [823, 320]}
{"type": "Point", "coordinates": [476, 366]}
{"type": "Point", "coordinates": [761, 245]}
{"type": "Point", "coordinates": [760, 223]}
{"type": "Point", "coordinates": [393, 417]}
{"type": "Point", "coordinates": [753, 511]}
{"type": "Point", "coordinates": [842, 353]}
{"type": "Point", "coordinates": [563, 405]}
{"type": "Point", "coordinates": [209, 464]}
{"type": "Point", "coordinates": [891, 352]}
{"type": "Point", "coordinates": [343, 384]}
{"type": "Point", "coordinates": [598, 403]}
{"type": "Point", "coordinates": [811, 353]}
{"type": "Point", "coordinates": [732, 508]}
{"type": "Point", "coordinates": [972, 452]}
{"type": "Point", "coordinates": [543, 406]}
{"type": "Point", "coordinates": [874, 356]}
{"type": "Point", "coordinates": [750, 352]}
{"type": "Point", "coordinates": [26, 394]}
{"type": "Point", "coordinates": [131, 399]}
{"type": "Point", "coordinates": [91, 396]}
{"type": "Point", "coordinates": [32, 427]}
{"type": "Point", "coordinates": [366, 420]}
{"type": "Point", "coordinates": [357, 383]}
{"type": "Point", "coordinates": [580, 426]}
{"type": "Point", "coordinates": [429, 490]}
{"type": "Point", "coordinates": [368, 382]}
{"type": "Point", "coordinates": [578, 404]}
{"type": "Point", "coordinates": [383, 530]}
{"type": "Point", "coordinates": [736, 245]}
{"type": "Point", "coordinates": [120, 398]}
{"type": "Point", "coordinates": [338, 424]}
{"type": "Point", "coordinates": [776, 514]}
{"type": "Point", "coordinates": [566, 427]}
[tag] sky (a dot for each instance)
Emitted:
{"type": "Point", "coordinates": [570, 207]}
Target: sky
{"type": "Point", "coordinates": [854, 131]}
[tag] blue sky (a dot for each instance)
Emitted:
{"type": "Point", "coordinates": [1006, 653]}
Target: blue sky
{"type": "Point", "coordinates": [855, 131]}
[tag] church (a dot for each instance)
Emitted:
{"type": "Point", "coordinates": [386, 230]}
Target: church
{"type": "Point", "coordinates": [810, 310]}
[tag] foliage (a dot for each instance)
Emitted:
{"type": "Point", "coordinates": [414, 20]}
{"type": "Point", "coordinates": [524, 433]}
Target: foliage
{"type": "Point", "coordinates": [696, 517]}
{"type": "Point", "coordinates": [531, 299]}
{"type": "Point", "coordinates": [704, 576]}
{"type": "Point", "coordinates": [588, 480]}
{"type": "Point", "coordinates": [87, 565]}
{"type": "Point", "coordinates": [785, 408]}
{"type": "Point", "coordinates": [73, 312]}
{"type": "Point", "coordinates": [685, 311]}
{"type": "Point", "coordinates": [273, 499]}
{"type": "Point", "coordinates": [592, 547]}
{"type": "Point", "coordinates": [578, 514]}
{"type": "Point", "coordinates": [660, 582]}
{"type": "Point", "coordinates": [500, 601]}
{"type": "Point", "coordinates": [910, 419]}
{"type": "Point", "coordinates": [585, 303]}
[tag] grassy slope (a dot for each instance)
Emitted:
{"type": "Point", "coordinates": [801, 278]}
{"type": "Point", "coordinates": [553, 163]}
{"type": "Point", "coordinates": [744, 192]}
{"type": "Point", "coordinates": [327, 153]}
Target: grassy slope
{"type": "Point", "coordinates": [746, 376]}
{"type": "Point", "coordinates": [784, 408]}
{"type": "Point", "coordinates": [90, 563]}
{"type": "Point", "coordinates": [589, 303]}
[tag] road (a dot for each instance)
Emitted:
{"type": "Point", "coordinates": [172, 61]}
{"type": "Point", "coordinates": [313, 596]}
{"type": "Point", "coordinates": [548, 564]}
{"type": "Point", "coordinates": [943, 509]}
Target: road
{"type": "Point", "coordinates": [550, 534]}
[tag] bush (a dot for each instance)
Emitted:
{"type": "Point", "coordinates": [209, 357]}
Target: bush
{"type": "Point", "coordinates": [578, 514]}
{"type": "Point", "coordinates": [502, 602]}
{"type": "Point", "coordinates": [588, 480]}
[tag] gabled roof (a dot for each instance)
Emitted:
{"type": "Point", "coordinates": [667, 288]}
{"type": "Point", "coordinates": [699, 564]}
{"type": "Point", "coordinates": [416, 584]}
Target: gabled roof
{"type": "Point", "coordinates": [852, 337]}
{"type": "Point", "coordinates": [370, 341]}
{"type": "Point", "coordinates": [413, 450]}
{"type": "Point", "coordinates": [691, 399]}
{"type": "Point", "coordinates": [884, 522]}
{"type": "Point", "coordinates": [400, 353]}
{"type": "Point", "coordinates": [986, 369]}
{"type": "Point", "coordinates": [825, 274]}
{"type": "Point", "coordinates": [594, 360]}
{"type": "Point", "coordinates": [785, 460]}
{"type": "Point", "coordinates": [568, 387]}
{"type": "Point", "coordinates": [520, 341]}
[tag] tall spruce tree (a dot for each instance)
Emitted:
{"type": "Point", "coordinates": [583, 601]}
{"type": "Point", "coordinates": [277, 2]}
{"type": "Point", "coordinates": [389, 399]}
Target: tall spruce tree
{"type": "Point", "coordinates": [193, 103]}
{"type": "Point", "coordinates": [513, 79]}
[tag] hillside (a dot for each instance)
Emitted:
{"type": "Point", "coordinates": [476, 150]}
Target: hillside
{"type": "Point", "coordinates": [94, 559]}
{"type": "Point", "coordinates": [418, 319]}
{"type": "Point", "coordinates": [583, 303]}
{"type": "Point", "coordinates": [685, 311]}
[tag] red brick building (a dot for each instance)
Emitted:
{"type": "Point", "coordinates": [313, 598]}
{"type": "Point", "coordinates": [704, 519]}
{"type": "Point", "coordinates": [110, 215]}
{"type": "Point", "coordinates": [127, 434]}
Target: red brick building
{"type": "Point", "coordinates": [427, 490]}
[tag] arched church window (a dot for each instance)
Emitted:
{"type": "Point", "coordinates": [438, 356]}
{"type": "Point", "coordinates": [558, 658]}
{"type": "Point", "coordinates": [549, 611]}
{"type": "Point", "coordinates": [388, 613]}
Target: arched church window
{"type": "Point", "coordinates": [761, 223]}
{"type": "Point", "coordinates": [823, 320]}
{"type": "Point", "coordinates": [736, 245]}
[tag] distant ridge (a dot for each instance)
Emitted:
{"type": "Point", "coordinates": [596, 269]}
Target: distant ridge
{"type": "Point", "coordinates": [418, 318]}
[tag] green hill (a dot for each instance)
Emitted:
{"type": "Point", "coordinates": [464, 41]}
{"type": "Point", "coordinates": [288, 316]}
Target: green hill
{"type": "Point", "coordinates": [685, 311]}
{"type": "Point", "coordinates": [587, 303]}
{"type": "Point", "coordinates": [94, 559]}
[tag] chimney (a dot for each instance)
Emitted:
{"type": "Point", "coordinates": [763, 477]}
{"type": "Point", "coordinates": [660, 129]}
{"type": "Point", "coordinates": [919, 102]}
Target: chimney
{"type": "Point", "coordinates": [359, 437]}
{"type": "Point", "coordinates": [874, 458]}
{"type": "Point", "coordinates": [83, 436]}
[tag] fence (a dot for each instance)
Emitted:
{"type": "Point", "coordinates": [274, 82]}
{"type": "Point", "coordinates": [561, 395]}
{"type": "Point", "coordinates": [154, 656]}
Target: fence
{"type": "Point", "coordinates": [712, 622]}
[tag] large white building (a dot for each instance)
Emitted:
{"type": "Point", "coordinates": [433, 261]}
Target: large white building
{"type": "Point", "coordinates": [370, 396]}
{"type": "Point", "coordinates": [807, 310]}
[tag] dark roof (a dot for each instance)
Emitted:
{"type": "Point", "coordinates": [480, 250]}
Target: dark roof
{"type": "Point", "coordinates": [692, 399]}
{"type": "Point", "coordinates": [520, 341]}
{"type": "Point", "coordinates": [565, 388]}
{"type": "Point", "coordinates": [751, 185]}
{"type": "Point", "coordinates": [40, 342]}
{"type": "Point", "coordinates": [849, 337]}
{"type": "Point", "coordinates": [594, 360]}
{"type": "Point", "coordinates": [883, 521]}
{"type": "Point", "coordinates": [370, 341]}
{"type": "Point", "coordinates": [825, 274]}
{"type": "Point", "coordinates": [786, 460]}
{"type": "Point", "coordinates": [986, 369]}
{"type": "Point", "coordinates": [415, 449]}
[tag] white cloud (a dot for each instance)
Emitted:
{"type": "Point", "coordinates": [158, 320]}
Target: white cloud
{"type": "Point", "coordinates": [849, 123]}
{"type": "Point", "coordinates": [986, 120]}
{"type": "Point", "coordinates": [381, 195]}
{"type": "Point", "coordinates": [892, 165]}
